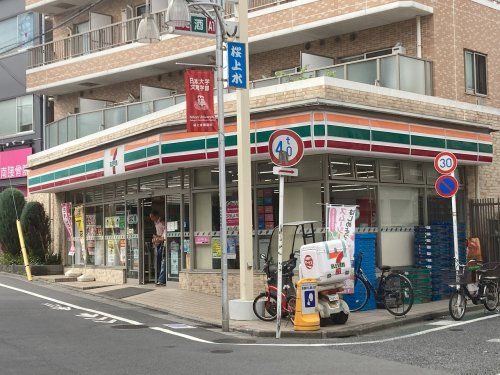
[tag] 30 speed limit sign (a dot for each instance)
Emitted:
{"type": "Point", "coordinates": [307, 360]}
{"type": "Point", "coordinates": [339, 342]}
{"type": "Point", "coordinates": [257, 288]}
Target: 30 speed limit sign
{"type": "Point", "coordinates": [445, 162]}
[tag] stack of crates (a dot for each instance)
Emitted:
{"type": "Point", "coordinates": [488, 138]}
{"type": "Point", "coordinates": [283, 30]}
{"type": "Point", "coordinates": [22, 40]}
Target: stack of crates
{"type": "Point", "coordinates": [365, 243]}
{"type": "Point", "coordinates": [434, 252]}
{"type": "Point", "coordinates": [420, 279]}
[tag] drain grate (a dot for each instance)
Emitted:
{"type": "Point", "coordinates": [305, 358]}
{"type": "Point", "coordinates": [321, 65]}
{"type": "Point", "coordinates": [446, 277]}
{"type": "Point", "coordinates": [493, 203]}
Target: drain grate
{"type": "Point", "coordinates": [221, 351]}
{"type": "Point", "coordinates": [129, 326]}
{"type": "Point", "coordinates": [235, 341]}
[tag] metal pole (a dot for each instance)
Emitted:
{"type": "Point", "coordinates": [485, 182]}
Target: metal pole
{"type": "Point", "coordinates": [222, 172]}
{"type": "Point", "coordinates": [280, 257]}
{"type": "Point", "coordinates": [455, 229]}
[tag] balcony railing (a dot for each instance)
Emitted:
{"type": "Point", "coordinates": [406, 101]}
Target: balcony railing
{"type": "Point", "coordinates": [393, 71]}
{"type": "Point", "coordinates": [111, 36]}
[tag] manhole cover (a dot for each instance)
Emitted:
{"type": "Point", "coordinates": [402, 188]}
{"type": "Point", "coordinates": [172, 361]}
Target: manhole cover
{"type": "Point", "coordinates": [221, 351]}
{"type": "Point", "coordinates": [456, 329]}
{"type": "Point", "coordinates": [129, 326]}
{"type": "Point", "coordinates": [235, 341]}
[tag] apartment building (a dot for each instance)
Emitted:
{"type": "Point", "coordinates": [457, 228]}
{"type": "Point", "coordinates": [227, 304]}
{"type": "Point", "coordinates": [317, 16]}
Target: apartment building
{"type": "Point", "coordinates": [21, 112]}
{"type": "Point", "coordinates": [376, 88]}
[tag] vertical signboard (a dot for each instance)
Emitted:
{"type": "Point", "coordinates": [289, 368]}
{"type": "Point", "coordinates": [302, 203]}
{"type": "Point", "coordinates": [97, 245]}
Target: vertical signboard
{"type": "Point", "coordinates": [199, 86]}
{"type": "Point", "coordinates": [236, 62]}
{"type": "Point", "coordinates": [68, 224]}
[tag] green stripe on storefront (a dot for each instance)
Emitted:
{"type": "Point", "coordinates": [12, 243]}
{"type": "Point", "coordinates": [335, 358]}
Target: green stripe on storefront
{"type": "Point", "coordinates": [461, 145]}
{"type": "Point", "coordinates": [47, 178]}
{"type": "Point", "coordinates": [484, 148]}
{"type": "Point", "coordinates": [94, 166]}
{"type": "Point", "coordinates": [388, 137]}
{"type": "Point", "coordinates": [319, 130]}
{"type": "Point", "coordinates": [61, 174]}
{"type": "Point", "coordinates": [172, 148]}
{"type": "Point", "coordinates": [302, 131]}
{"type": "Point", "coordinates": [80, 169]}
{"type": "Point", "coordinates": [346, 132]}
{"type": "Point", "coordinates": [213, 142]}
{"type": "Point", "coordinates": [34, 181]}
{"type": "Point", "coordinates": [68, 172]}
{"type": "Point", "coordinates": [418, 140]}
{"type": "Point", "coordinates": [135, 155]}
{"type": "Point", "coordinates": [153, 151]}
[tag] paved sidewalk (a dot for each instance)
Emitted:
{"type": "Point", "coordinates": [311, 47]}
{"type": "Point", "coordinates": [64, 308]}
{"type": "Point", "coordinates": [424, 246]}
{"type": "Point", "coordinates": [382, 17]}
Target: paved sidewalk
{"type": "Point", "coordinates": [206, 309]}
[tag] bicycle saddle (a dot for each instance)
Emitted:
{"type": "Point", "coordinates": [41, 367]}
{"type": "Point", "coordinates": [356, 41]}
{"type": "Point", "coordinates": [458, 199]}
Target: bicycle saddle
{"type": "Point", "coordinates": [385, 268]}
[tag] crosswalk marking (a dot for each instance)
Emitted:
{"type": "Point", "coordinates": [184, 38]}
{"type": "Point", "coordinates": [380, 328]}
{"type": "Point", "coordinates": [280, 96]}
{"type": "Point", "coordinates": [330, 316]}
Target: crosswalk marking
{"type": "Point", "coordinates": [494, 340]}
{"type": "Point", "coordinates": [178, 326]}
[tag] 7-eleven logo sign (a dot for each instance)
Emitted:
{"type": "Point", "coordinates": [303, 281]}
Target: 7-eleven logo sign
{"type": "Point", "coordinates": [336, 255]}
{"type": "Point", "coordinates": [114, 161]}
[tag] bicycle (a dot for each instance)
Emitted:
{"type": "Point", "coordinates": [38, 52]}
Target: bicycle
{"type": "Point", "coordinates": [474, 283]}
{"type": "Point", "coordinates": [265, 304]}
{"type": "Point", "coordinates": [394, 290]}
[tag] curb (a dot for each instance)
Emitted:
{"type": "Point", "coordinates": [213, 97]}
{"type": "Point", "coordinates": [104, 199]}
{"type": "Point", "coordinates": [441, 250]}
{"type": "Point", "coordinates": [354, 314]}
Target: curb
{"type": "Point", "coordinates": [341, 333]}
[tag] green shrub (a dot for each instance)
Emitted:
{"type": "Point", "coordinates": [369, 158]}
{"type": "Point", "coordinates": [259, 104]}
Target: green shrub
{"type": "Point", "coordinates": [8, 228]}
{"type": "Point", "coordinates": [36, 230]}
{"type": "Point", "coordinates": [7, 259]}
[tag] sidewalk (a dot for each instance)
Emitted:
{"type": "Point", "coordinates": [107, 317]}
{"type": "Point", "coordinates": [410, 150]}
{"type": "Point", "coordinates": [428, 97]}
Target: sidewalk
{"type": "Point", "coordinates": [206, 309]}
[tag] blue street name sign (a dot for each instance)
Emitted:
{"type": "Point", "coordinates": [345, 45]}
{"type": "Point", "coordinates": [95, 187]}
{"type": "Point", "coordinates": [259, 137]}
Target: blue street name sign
{"type": "Point", "coordinates": [237, 66]}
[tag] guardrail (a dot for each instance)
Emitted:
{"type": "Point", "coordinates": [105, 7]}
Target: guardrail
{"type": "Point", "coordinates": [398, 72]}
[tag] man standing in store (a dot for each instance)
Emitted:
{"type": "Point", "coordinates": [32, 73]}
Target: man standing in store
{"type": "Point", "coordinates": [158, 241]}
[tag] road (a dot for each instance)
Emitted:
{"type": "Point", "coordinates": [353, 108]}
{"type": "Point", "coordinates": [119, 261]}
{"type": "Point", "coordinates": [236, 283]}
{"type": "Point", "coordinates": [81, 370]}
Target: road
{"type": "Point", "coordinates": [47, 329]}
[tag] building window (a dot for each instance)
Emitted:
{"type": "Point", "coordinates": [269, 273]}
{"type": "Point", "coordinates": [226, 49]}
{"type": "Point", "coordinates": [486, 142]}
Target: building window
{"type": "Point", "coordinates": [16, 32]}
{"type": "Point", "coordinates": [17, 115]}
{"type": "Point", "coordinates": [475, 73]}
{"type": "Point", "coordinates": [140, 10]}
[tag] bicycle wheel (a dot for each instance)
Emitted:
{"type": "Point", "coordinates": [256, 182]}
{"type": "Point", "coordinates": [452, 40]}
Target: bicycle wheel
{"type": "Point", "coordinates": [291, 303]}
{"type": "Point", "coordinates": [397, 294]}
{"type": "Point", "coordinates": [265, 306]}
{"type": "Point", "coordinates": [359, 299]}
{"type": "Point", "coordinates": [491, 296]}
{"type": "Point", "coordinates": [457, 305]}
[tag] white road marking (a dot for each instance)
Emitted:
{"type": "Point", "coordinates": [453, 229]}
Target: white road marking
{"type": "Point", "coordinates": [189, 337]}
{"type": "Point", "coordinates": [133, 322]}
{"type": "Point", "coordinates": [494, 340]}
{"type": "Point", "coordinates": [57, 307]}
{"type": "Point", "coordinates": [178, 326]}
{"type": "Point", "coordinates": [196, 339]}
{"type": "Point", "coordinates": [441, 323]}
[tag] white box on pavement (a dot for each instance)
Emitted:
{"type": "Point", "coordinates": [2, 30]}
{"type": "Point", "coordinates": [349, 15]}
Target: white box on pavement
{"type": "Point", "coordinates": [326, 261]}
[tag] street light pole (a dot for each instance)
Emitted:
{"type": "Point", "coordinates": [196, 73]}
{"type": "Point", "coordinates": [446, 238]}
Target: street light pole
{"type": "Point", "coordinates": [219, 40]}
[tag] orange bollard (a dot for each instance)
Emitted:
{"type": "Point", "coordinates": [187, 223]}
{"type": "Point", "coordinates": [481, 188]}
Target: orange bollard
{"type": "Point", "coordinates": [306, 314]}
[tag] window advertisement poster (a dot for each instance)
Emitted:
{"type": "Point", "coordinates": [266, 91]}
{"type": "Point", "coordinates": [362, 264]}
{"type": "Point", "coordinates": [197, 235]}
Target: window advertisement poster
{"type": "Point", "coordinates": [232, 247]}
{"type": "Point", "coordinates": [232, 215]}
{"type": "Point", "coordinates": [68, 224]}
{"type": "Point", "coordinates": [80, 226]}
{"type": "Point", "coordinates": [340, 225]}
{"type": "Point", "coordinates": [90, 228]}
{"type": "Point", "coordinates": [174, 257]}
{"type": "Point", "coordinates": [199, 85]}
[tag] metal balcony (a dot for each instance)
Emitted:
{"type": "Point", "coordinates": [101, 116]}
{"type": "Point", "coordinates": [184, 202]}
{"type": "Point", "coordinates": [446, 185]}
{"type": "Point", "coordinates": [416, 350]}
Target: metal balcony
{"type": "Point", "coordinates": [398, 72]}
{"type": "Point", "coordinates": [111, 36]}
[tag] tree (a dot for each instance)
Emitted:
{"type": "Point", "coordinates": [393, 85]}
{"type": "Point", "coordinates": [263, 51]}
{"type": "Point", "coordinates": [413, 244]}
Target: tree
{"type": "Point", "coordinates": [36, 230]}
{"type": "Point", "coordinates": [11, 205]}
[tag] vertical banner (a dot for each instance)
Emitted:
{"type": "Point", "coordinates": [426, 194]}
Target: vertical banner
{"type": "Point", "coordinates": [236, 62]}
{"type": "Point", "coordinates": [200, 115]}
{"type": "Point", "coordinates": [340, 225]}
{"type": "Point", "coordinates": [79, 222]}
{"type": "Point", "coordinates": [68, 224]}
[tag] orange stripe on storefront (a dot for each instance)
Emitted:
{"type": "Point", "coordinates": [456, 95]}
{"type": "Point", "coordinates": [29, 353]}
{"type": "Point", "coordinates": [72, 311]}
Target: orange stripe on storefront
{"type": "Point", "coordinates": [390, 125]}
{"type": "Point", "coordinates": [142, 142]}
{"type": "Point", "coordinates": [461, 134]}
{"type": "Point", "coordinates": [427, 130]}
{"type": "Point", "coordinates": [345, 119]}
{"type": "Point", "coordinates": [283, 121]}
{"type": "Point", "coordinates": [68, 163]}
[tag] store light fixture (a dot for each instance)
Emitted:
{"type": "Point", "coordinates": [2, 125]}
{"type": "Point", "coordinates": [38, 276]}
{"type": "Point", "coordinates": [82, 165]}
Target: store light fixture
{"type": "Point", "coordinates": [147, 31]}
{"type": "Point", "coordinates": [178, 14]}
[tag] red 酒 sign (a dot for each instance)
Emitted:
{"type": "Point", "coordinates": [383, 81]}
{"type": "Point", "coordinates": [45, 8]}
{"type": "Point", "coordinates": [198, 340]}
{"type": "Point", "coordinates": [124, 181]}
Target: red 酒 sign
{"type": "Point", "coordinates": [200, 101]}
{"type": "Point", "coordinates": [13, 163]}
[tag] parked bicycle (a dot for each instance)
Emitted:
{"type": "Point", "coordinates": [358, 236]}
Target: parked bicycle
{"type": "Point", "coordinates": [478, 283]}
{"type": "Point", "coordinates": [394, 290]}
{"type": "Point", "coordinates": [265, 305]}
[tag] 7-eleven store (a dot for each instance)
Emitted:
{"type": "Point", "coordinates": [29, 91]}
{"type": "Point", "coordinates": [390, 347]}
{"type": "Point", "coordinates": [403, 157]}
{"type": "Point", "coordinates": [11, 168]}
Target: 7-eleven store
{"type": "Point", "coordinates": [383, 164]}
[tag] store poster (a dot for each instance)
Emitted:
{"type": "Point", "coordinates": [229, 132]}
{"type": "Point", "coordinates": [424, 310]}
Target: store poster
{"type": "Point", "coordinates": [265, 209]}
{"type": "Point", "coordinates": [232, 214]}
{"type": "Point", "coordinates": [91, 230]}
{"type": "Point", "coordinates": [111, 252]}
{"type": "Point", "coordinates": [68, 224]}
{"type": "Point", "coordinates": [340, 225]}
{"type": "Point", "coordinates": [174, 257]}
{"type": "Point", "coordinates": [232, 247]}
{"type": "Point", "coordinates": [80, 226]}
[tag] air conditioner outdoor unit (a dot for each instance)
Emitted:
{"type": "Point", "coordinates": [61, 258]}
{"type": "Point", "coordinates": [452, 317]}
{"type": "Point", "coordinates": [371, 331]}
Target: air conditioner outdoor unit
{"type": "Point", "coordinates": [398, 50]}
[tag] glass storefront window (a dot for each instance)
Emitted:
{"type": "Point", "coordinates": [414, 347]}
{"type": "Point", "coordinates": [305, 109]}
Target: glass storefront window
{"type": "Point", "coordinates": [366, 169]}
{"type": "Point", "coordinates": [132, 240]}
{"type": "Point", "coordinates": [265, 173]}
{"type": "Point", "coordinates": [132, 186]}
{"type": "Point", "coordinates": [109, 192]}
{"type": "Point", "coordinates": [341, 167]}
{"type": "Point", "coordinates": [364, 196]}
{"type": "Point", "coordinates": [94, 235]}
{"type": "Point", "coordinates": [174, 179]}
{"type": "Point", "coordinates": [209, 176]}
{"type": "Point", "coordinates": [186, 180]}
{"type": "Point", "coordinates": [390, 170]}
{"type": "Point", "coordinates": [151, 183]}
{"type": "Point", "coordinates": [115, 234]}
{"type": "Point", "coordinates": [310, 168]}
{"type": "Point", "coordinates": [413, 173]}
{"type": "Point", "coordinates": [400, 206]}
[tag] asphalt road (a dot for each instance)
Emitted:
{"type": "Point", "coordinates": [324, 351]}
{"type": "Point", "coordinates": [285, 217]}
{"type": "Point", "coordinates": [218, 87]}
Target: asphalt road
{"type": "Point", "coordinates": [47, 329]}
